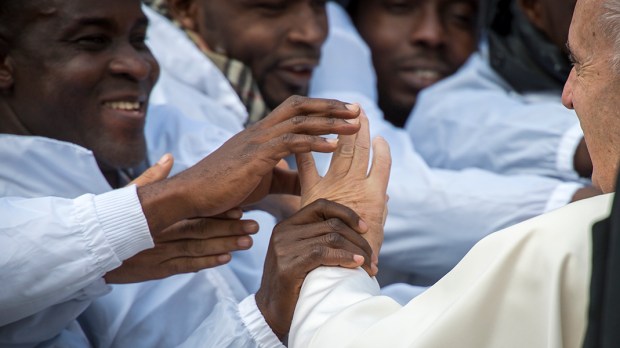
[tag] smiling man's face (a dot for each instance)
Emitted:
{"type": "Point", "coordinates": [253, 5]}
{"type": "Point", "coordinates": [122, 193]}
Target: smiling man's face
{"type": "Point", "coordinates": [279, 40]}
{"type": "Point", "coordinates": [81, 73]}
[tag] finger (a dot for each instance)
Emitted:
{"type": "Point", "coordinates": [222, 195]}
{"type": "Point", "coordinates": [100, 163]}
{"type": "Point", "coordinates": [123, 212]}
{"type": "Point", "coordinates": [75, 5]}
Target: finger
{"type": "Point", "coordinates": [205, 228]}
{"type": "Point", "coordinates": [344, 257]}
{"type": "Point", "coordinates": [359, 165]}
{"type": "Point", "coordinates": [343, 156]}
{"type": "Point", "coordinates": [381, 164]}
{"type": "Point", "coordinates": [284, 145]}
{"type": "Point", "coordinates": [155, 173]}
{"type": "Point", "coordinates": [204, 247]}
{"type": "Point", "coordinates": [322, 209]}
{"type": "Point", "coordinates": [297, 105]}
{"type": "Point", "coordinates": [335, 233]}
{"type": "Point", "coordinates": [234, 213]}
{"type": "Point", "coordinates": [195, 264]}
{"type": "Point", "coordinates": [311, 127]}
{"type": "Point", "coordinates": [306, 167]}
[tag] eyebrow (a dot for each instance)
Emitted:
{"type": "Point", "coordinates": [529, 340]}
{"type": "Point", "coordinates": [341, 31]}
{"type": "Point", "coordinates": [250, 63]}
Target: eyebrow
{"type": "Point", "coordinates": [571, 55]}
{"type": "Point", "coordinates": [101, 22]}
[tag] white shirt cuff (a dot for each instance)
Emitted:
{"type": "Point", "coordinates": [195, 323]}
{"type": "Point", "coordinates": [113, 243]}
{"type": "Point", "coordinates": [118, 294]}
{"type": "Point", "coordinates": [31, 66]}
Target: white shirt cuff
{"type": "Point", "coordinates": [562, 195]}
{"type": "Point", "coordinates": [122, 221]}
{"type": "Point", "coordinates": [567, 148]}
{"type": "Point", "coordinates": [257, 326]}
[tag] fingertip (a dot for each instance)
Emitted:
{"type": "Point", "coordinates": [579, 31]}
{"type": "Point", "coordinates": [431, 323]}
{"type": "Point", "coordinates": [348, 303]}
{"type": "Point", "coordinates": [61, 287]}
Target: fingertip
{"type": "Point", "coordinates": [244, 242]}
{"type": "Point", "coordinates": [250, 226]}
{"type": "Point", "coordinates": [235, 213]}
{"type": "Point", "coordinates": [224, 258]}
{"type": "Point", "coordinates": [363, 226]}
{"type": "Point", "coordinates": [353, 107]}
{"type": "Point", "coordinates": [165, 159]}
{"type": "Point", "coordinates": [359, 259]}
{"type": "Point", "coordinates": [374, 269]}
{"type": "Point", "coordinates": [333, 141]}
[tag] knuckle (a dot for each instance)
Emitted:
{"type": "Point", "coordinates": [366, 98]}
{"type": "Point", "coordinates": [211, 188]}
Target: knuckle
{"type": "Point", "coordinates": [288, 138]}
{"type": "Point", "coordinates": [317, 252]}
{"type": "Point", "coordinates": [334, 239]}
{"type": "Point", "coordinates": [335, 224]}
{"type": "Point", "coordinates": [296, 101]}
{"type": "Point", "coordinates": [297, 120]}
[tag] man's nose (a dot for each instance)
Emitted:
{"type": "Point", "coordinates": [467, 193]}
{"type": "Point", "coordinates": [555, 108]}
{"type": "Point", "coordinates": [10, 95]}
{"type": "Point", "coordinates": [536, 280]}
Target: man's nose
{"type": "Point", "coordinates": [132, 63]}
{"type": "Point", "coordinates": [428, 28]}
{"type": "Point", "coordinates": [567, 93]}
{"type": "Point", "coordinates": [310, 27]}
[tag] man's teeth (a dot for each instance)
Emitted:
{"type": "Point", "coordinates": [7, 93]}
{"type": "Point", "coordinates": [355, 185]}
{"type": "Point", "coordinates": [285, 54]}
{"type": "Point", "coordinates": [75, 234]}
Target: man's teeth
{"type": "Point", "coordinates": [299, 68]}
{"type": "Point", "coordinates": [132, 106]}
{"type": "Point", "coordinates": [428, 74]}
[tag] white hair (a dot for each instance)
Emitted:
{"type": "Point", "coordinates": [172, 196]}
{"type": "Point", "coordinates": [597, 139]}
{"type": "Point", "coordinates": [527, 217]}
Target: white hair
{"type": "Point", "coordinates": [610, 24]}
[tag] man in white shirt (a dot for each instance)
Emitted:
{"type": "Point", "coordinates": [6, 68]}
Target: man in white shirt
{"type": "Point", "coordinates": [75, 78]}
{"type": "Point", "coordinates": [526, 286]}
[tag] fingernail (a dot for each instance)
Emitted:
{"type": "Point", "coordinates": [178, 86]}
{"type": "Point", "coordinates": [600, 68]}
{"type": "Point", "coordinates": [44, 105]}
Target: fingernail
{"type": "Point", "coordinates": [234, 214]}
{"type": "Point", "coordinates": [244, 242]}
{"type": "Point", "coordinates": [353, 120]}
{"type": "Point", "coordinates": [375, 259]}
{"type": "Point", "coordinates": [374, 269]}
{"type": "Point", "coordinates": [359, 259]}
{"type": "Point", "coordinates": [250, 227]}
{"type": "Point", "coordinates": [223, 258]}
{"type": "Point", "coordinates": [352, 107]}
{"type": "Point", "coordinates": [363, 225]}
{"type": "Point", "coordinates": [332, 140]}
{"type": "Point", "coordinates": [164, 159]}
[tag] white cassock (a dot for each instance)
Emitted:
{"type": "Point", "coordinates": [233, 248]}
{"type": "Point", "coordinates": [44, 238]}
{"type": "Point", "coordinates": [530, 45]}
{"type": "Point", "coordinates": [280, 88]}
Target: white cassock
{"type": "Point", "coordinates": [525, 286]}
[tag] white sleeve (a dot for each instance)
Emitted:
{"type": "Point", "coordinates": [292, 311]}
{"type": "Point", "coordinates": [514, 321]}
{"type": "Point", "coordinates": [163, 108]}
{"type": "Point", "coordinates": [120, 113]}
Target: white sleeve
{"type": "Point", "coordinates": [234, 325]}
{"type": "Point", "coordinates": [526, 286]}
{"type": "Point", "coordinates": [59, 248]}
{"type": "Point", "coordinates": [470, 120]}
{"type": "Point", "coordinates": [209, 308]}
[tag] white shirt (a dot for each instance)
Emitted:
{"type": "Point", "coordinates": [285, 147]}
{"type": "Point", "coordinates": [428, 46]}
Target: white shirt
{"type": "Point", "coordinates": [52, 275]}
{"type": "Point", "coordinates": [435, 215]}
{"type": "Point", "coordinates": [525, 286]}
{"type": "Point", "coordinates": [476, 119]}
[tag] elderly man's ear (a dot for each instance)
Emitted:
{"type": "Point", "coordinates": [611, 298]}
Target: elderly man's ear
{"type": "Point", "coordinates": [6, 68]}
{"type": "Point", "coordinates": [185, 12]}
{"type": "Point", "coordinates": [534, 11]}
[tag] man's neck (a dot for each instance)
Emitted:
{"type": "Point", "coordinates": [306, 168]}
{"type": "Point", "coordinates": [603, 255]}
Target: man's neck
{"type": "Point", "coordinates": [9, 122]}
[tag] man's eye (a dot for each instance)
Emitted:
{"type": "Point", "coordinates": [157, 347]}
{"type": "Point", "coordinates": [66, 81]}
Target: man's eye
{"type": "Point", "coordinates": [139, 41]}
{"type": "Point", "coordinates": [397, 6]}
{"type": "Point", "coordinates": [462, 15]}
{"type": "Point", "coordinates": [272, 7]}
{"type": "Point", "coordinates": [92, 41]}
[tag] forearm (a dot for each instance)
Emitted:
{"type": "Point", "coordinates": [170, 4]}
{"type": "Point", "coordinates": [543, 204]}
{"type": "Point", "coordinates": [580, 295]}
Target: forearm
{"type": "Point", "coordinates": [234, 325]}
{"type": "Point", "coordinates": [55, 247]}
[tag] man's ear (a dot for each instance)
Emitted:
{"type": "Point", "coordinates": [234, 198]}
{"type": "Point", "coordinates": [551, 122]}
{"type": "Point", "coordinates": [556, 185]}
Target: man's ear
{"type": "Point", "coordinates": [534, 11]}
{"type": "Point", "coordinates": [185, 12]}
{"type": "Point", "coordinates": [6, 67]}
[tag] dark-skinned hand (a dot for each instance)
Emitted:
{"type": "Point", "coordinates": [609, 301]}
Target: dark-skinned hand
{"type": "Point", "coordinates": [187, 246]}
{"type": "Point", "coordinates": [323, 233]}
{"type": "Point", "coordinates": [243, 170]}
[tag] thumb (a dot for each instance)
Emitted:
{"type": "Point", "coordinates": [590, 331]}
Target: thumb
{"type": "Point", "coordinates": [159, 171]}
